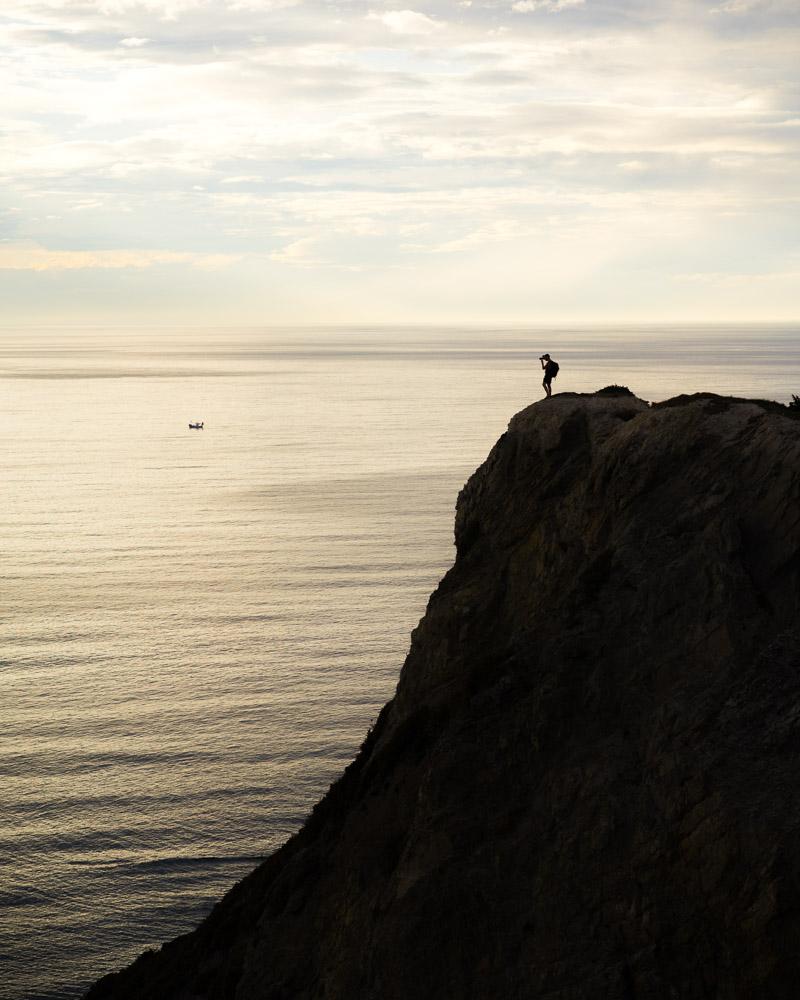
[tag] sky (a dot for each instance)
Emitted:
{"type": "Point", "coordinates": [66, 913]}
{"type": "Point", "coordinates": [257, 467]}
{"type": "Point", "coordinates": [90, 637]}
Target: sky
{"type": "Point", "coordinates": [455, 161]}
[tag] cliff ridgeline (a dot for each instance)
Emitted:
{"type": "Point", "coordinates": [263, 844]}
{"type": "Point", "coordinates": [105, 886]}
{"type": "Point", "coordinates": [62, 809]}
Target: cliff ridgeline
{"type": "Point", "coordinates": [586, 786]}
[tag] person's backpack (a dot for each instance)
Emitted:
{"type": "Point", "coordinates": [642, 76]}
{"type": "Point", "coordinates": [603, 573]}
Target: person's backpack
{"type": "Point", "coordinates": [554, 369]}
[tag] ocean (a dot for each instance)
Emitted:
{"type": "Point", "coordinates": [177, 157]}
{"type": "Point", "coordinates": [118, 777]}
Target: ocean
{"type": "Point", "coordinates": [197, 627]}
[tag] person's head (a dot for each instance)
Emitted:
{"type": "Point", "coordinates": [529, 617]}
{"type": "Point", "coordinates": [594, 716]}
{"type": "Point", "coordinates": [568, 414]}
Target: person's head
{"type": "Point", "coordinates": [545, 357]}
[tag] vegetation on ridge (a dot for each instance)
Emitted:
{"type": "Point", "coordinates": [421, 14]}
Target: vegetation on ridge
{"type": "Point", "coordinates": [614, 390]}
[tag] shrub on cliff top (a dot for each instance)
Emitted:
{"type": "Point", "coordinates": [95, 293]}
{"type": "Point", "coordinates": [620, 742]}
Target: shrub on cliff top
{"type": "Point", "coordinates": [614, 390]}
{"type": "Point", "coordinates": [795, 403]}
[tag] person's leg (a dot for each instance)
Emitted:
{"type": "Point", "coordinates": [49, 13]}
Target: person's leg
{"type": "Point", "coordinates": [546, 385]}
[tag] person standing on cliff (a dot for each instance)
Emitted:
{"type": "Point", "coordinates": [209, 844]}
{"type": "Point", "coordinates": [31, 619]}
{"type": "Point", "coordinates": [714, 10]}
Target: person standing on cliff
{"type": "Point", "coordinates": [550, 372]}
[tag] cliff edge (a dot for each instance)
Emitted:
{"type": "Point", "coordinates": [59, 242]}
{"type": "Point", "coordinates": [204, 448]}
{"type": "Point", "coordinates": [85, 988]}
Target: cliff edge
{"type": "Point", "coordinates": [586, 784]}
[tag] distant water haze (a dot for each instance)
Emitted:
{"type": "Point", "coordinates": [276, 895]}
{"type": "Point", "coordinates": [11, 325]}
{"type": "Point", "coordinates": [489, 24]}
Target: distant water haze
{"type": "Point", "coordinates": [198, 627]}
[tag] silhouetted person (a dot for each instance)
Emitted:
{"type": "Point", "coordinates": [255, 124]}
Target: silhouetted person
{"type": "Point", "coordinates": [550, 372]}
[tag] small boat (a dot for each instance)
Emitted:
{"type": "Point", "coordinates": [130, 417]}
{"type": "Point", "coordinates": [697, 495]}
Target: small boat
{"type": "Point", "coordinates": [196, 426]}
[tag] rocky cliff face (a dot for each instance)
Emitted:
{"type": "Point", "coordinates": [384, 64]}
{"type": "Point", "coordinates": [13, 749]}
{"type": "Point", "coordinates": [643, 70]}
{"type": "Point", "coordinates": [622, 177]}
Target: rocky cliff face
{"type": "Point", "coordinates": [587, 783]}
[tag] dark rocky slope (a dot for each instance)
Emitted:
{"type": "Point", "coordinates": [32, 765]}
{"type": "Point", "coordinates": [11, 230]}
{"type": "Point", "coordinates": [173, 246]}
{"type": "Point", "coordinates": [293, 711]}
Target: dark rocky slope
{"type": "Point", "coordinates": [588, 783]}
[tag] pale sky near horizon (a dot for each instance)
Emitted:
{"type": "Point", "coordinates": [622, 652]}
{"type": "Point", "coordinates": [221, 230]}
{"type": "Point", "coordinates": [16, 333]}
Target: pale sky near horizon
{"type": "Point", "coordinates": [284, 161]}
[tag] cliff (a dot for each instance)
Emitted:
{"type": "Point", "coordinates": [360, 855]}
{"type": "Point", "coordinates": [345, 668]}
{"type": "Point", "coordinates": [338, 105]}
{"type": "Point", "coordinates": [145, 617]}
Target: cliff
{"type": "Point", "coordinates": [586, 785]}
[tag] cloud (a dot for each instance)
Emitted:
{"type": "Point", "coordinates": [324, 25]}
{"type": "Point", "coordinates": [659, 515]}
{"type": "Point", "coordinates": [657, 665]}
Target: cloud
{"type": "Point", "coordinates": [243, 179]}
{"type": "Point", "coordinates": [30, 257]}
{"type": "Point", "coordinates": [552, 6]}
{"type": "Point", "coordinates": [268, 136]}
{"type": "Point", "coordinates": [167, 10]}
{"type": "Point", "coordinates": [298, 252]}
{"type": "Point", "coordinates": [261, 6]}
{"type": "Point", "coordinates": [736, 7]}
{"type": "Point", "coordinates": [735, 280]}
{"type": "Point", "coordinates": [407, 22]}
{"type": "Point", "coordinates": [498, 231]}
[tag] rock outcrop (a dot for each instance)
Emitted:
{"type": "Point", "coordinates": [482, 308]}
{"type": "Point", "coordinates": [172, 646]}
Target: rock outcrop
{"type": "Point", "coordinates": [587, 783]}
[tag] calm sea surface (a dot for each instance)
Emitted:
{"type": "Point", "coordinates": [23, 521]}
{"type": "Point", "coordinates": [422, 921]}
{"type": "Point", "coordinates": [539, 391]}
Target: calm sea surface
{"type": "Point", "coordinates": [198, 627]}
